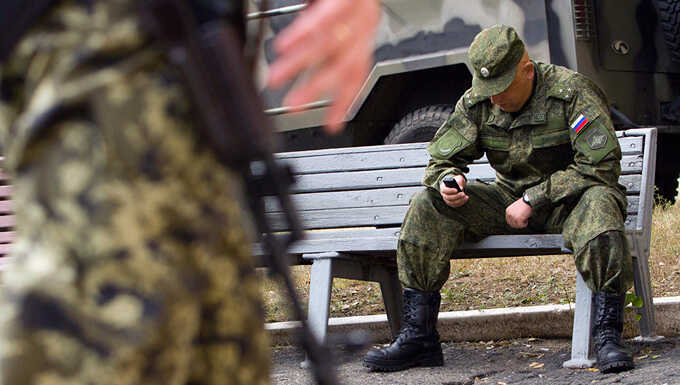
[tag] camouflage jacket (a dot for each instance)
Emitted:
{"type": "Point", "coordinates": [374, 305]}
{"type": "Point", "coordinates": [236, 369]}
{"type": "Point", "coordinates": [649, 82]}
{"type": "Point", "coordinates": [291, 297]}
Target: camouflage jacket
{"type": "Point", "coordinates": [35, 89]}
{"type": "Point", "coordinates": [558, 145]}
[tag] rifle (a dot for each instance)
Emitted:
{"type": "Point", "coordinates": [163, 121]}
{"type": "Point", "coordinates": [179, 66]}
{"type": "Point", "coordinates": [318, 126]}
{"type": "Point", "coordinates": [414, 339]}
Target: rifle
{"type": "Point", "coordinates": [209, 56]}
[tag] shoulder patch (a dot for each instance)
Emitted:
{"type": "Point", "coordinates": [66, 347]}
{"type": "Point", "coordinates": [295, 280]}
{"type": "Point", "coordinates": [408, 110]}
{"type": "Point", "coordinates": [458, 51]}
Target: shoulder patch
{"type": "Point", "coordinates": [447, 145]}
{"type": "Point", "coordinates": [596, 139]}
{"type": "Point", "coordinates": [583, 119]}
{"type": "Point", "coordinates": [580, 122]}
{"type": "Point", "coordinates": [596, 142]}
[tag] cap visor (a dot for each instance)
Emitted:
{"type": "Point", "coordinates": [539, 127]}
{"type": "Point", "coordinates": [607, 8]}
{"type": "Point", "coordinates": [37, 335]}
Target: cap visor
{"type": "Point", "coordinates": [495, 85]}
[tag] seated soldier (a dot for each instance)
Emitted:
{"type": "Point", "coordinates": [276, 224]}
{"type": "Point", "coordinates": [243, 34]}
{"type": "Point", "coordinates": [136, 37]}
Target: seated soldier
{"type": "Point", "coordinates": [547, 132]}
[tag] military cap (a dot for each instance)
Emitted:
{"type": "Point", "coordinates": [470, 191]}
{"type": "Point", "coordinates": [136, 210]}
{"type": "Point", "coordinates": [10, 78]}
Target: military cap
{"type": "Point", "coordinates": [494, 55]}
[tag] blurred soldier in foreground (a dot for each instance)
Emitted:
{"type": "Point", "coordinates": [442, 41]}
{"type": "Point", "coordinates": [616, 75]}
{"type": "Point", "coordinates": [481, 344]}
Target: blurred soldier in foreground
{"type": "Point", "coordinates": [133, 261]}
{"type": "Point", "coordinates": [546, 131]}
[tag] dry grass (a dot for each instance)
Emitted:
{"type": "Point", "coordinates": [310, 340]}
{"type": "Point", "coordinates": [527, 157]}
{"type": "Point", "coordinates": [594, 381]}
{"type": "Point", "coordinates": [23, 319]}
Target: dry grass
{"type": "Point", "coordinates": [499, 282]}
{"type": "Point", "coordinates": [664, 259]}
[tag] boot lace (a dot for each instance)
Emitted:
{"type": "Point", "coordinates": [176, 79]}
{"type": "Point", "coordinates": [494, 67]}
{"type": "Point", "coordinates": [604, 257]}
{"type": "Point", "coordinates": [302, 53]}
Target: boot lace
{"type": "Point", "coordinates": [608, 318]}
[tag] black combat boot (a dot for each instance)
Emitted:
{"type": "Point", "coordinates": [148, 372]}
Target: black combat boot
{"type": "Point", "coordinates": [612, 357]}
{"type": "Point", "coordinates": [418, 340]}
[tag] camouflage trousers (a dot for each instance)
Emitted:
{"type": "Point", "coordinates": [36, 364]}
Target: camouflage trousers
{"type": "Point", "coordinates": [592, 226]}
{"type": "Point", "coordinates": [133, 258]}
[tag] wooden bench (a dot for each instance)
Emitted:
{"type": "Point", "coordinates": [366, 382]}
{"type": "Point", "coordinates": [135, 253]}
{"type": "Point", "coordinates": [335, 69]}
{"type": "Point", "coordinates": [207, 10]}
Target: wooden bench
{"type": "Point", "coordinates": [352, 202]}
{"type": "Point", "coordinates": [6, 220]}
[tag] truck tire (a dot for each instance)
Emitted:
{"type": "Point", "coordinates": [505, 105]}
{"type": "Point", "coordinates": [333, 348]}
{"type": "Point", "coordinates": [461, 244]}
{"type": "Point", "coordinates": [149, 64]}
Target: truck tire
{"type": "Point", "coordinates": [667, 166]}
{"type": "Point", "coordinates": [419, 125]}
{"type": "Point", "coordinates": [669, 15]}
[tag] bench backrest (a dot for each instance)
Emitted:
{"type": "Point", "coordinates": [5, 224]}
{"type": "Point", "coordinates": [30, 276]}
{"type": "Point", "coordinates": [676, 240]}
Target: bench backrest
{"type": "Point", "coordinates": [371, 186]}
{"type": "Point", "coordinates": [6, 215]}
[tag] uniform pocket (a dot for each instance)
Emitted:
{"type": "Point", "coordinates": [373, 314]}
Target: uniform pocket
{"type": "Point", "coordinates": [497, 149]}
{"type": "Point", "coordinates": [495, 142]}
{"type": "Point", "coordinates": [554, 133]}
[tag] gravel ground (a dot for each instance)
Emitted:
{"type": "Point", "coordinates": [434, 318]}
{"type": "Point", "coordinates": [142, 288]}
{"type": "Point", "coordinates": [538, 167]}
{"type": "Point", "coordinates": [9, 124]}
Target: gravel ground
{"type": "Point", "coordinates": [521, 361]}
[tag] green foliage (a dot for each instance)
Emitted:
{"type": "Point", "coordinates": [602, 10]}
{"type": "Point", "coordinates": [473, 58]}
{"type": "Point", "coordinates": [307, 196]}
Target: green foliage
{"type": "Point", "coordinates": [636, 303]}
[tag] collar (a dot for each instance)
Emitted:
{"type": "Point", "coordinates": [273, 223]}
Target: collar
{"type": "Point", "coordinates": [533, 112]}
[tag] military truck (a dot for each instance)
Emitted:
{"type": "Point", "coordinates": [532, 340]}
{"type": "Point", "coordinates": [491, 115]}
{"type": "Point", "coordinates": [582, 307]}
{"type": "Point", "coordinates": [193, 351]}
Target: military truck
{"type": "Point", "coordinates": [630, 48]}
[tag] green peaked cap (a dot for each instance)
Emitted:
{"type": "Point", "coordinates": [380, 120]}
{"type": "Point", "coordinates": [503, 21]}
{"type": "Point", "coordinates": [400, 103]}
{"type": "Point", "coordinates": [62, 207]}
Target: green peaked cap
{"type": "Point", "coordinates": [494, 55]}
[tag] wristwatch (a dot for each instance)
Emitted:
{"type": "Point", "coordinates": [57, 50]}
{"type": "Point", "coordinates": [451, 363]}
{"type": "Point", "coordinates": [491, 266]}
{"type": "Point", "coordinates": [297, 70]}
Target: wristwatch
{"type": "Point", "coordinates": [525, 198]}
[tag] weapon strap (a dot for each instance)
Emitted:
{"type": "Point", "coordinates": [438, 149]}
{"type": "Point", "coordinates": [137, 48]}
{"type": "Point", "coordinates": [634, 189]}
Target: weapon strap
{"type": "Point", "coordinates": [17, 17]}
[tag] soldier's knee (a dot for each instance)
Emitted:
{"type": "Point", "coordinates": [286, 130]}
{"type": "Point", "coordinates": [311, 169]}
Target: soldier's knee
{"type": "Point", "coordinates": [423, 200]}
{"type": "Point", "coordinates": [600, 193]}
{"type": "Point", "coordinates": [603, 199]}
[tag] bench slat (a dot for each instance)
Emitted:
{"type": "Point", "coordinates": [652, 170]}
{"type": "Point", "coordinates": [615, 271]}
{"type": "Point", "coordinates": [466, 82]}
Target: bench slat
{"type": "Point", "coordinates": [5, 207]}
{"type": "Point", "coordinates": [348, 199]}
{"type": "Point", "coordinates": [7, 221]}
{"type": "Point", "coordinates": [398, 196]}
{"type": "Point", "coordinates": [353, 217]}
{"type": "Point", "coordinates": [360, 180]}
{"type": "Point", "coordinates": [5, 191]}
{"type": "Point", "coordinates": [371, 240]}
{"type": "Point", "coordinates": [631, 165]}
{"type": "Point", "coordinates": [631, 145]}
{"type": "Point", "coordinates": [5, 248]}
{"type": "Point", "coordinates": [385, 240]}
{"type": "Point", "coordinates": [389, 156]}
{"type": "Point", "coordinates": [7, 236]}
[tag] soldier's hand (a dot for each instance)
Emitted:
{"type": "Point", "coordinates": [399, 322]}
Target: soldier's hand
{"type": "Point", "coordinates": [334, 40]}
{"type": "Point", "coordinates": [451, 195]}
{"type": "Point", "coordinates": [517, 214]}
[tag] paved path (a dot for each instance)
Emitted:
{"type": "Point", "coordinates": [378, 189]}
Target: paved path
{"type": "Point", "coordinates": [521, 361]}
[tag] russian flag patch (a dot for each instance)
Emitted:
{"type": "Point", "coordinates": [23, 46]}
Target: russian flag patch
{"type": "Point", "coordinates": [579, 123]}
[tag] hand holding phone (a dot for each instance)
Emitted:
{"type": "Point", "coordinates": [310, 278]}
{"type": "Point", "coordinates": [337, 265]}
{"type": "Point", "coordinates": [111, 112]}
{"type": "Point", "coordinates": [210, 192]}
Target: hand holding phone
{"type": "Point", "coordinates": [450, 181]}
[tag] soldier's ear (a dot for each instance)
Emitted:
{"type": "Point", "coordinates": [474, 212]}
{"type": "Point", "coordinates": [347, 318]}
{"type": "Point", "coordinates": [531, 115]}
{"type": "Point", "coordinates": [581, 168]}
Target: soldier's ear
{"type": "Point", "coordinates": [528, 70]}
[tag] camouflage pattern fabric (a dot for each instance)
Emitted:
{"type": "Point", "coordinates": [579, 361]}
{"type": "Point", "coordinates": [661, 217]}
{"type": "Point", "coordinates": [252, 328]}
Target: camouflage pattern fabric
{"type": "Point", "coordinates": [133, 260]}
{"type": "Point", "coordinates": [494, 55]}
{"type": "Point", "coordinates": [570, 176]}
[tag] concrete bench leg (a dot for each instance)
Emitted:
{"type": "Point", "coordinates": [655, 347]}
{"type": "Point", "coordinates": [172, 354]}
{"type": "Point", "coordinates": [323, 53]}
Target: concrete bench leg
{"type": "Point", "coordinates": [326, 266]}
{"type": "Point", "coordinates": [390, 287]}
{"type": "Point", "coordinates": [321, 279]}
{"type": "Point", "coordinates": [320, 282]}
{"type": "Point", "coordinates": [583, 320]}
{"type": "Point", "coordinates": [643, 288]}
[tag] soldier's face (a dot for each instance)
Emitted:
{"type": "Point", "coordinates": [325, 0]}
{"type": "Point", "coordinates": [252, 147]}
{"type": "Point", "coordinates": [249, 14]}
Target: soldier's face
{"type": "Point", "coordinates": [519, 91]}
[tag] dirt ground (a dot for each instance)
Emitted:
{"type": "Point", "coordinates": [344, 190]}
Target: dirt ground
{"type": "Point", "coordinates": [521, 361]}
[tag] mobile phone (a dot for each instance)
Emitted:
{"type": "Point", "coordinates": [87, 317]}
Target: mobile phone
{"type": "Point", "coordinates": [450, 181]}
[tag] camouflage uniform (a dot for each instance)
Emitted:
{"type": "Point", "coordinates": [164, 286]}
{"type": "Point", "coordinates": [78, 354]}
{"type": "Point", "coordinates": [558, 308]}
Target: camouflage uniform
{"type": "Point", "coordinates": [133, 250]}
{"type": "Point", "coordinates": [570, 176]}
